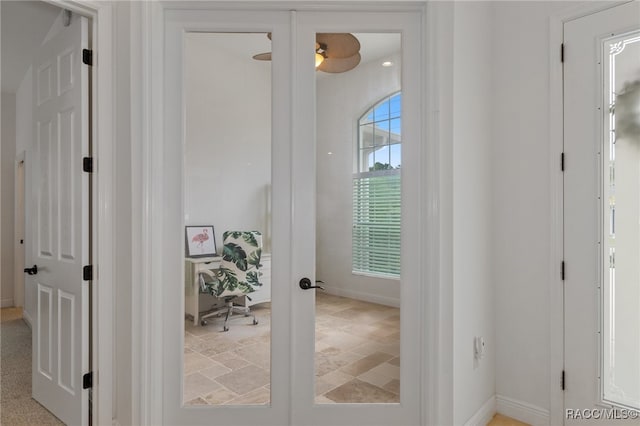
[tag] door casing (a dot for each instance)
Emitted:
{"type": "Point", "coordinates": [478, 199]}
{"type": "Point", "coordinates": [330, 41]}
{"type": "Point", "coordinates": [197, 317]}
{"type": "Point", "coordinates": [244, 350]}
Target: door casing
{"type": "Point", "coordinates": [19, 222]}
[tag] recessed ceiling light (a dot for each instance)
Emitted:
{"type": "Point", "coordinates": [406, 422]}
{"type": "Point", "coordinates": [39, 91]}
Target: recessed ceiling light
{"type": "Point", "coordinates": [329, 153]}
{"type": "Point", "coordinates": [387, 63]}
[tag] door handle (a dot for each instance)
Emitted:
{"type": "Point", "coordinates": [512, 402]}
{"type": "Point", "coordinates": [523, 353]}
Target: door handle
{"type": "Point", "coordinates": [31, 271]}
{"type": "Point", "coordinates": [305, 284]}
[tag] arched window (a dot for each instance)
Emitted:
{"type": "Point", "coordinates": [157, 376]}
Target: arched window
{"type": "Point", "coordinates": [377, 190]}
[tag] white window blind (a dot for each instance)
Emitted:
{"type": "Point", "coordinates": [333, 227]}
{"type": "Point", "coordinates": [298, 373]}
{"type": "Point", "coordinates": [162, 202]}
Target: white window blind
{"type": "Point", "coordinates": [376, 223]}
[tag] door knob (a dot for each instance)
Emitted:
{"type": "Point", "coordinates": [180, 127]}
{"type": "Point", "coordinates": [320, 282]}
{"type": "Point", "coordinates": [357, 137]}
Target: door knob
{"type": "Point", "coordinates": [305, 284]}
{"type": "Point", "coordinates": [31, 271]}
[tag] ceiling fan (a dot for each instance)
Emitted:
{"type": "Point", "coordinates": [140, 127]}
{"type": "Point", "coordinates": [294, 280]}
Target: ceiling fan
{"type": "Point", "coordinates": [335, 52]}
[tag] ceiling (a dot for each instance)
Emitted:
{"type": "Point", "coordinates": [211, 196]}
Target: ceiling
{"type": "Point", "coordinates": [25, 24]}
{"type": "Point", "coordinates": [378, 46]}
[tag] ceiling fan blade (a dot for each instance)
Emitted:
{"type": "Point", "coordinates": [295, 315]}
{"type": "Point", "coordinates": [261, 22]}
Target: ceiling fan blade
{"type": "Point", "coordinates": [338, 65]}
{"type": "Point", "coordinates": [339, 45]}
{"type": "Point", "coordinates": [263, 56]}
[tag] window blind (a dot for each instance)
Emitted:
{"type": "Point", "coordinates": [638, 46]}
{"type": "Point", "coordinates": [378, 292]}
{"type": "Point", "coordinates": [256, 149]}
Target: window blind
{"type": "Point", "coordinates": [376, 223]}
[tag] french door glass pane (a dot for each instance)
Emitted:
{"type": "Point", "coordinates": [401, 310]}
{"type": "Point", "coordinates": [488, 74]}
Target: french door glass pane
{"type": "Point", "coordinates": [227, 213]}
{"type": "Point", "coordinates": [357, 330]}
{"type": "Point", "coordinates": [621, 257]}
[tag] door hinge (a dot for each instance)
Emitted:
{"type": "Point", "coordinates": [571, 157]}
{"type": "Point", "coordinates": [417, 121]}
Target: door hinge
{"type": "Point", "coordinates": [87, 380]}
{"type": "Point", "coordinates": [562, 161]}
{"type": "Point", "coordinates": [562, 380]}
{"type": "Point", "coordinates": [87, 57]}
{"type": "Point", "coordinates": [87, 164]}
{"type": "Point", "coordinates": [562, 52]}
{"type": "Point", "coordinates": [562, 272]}
{"type": "Point", "coordinates": [87, 273]}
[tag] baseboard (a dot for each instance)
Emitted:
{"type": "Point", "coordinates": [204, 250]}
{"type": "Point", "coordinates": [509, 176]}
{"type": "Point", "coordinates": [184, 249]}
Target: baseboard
{"type": "Point", "coordinates": [27, 318]}
{"type": "Point", "coordinates": [6, 303]}
{"type": "Point", "coordinates": [484, 414]}
{"type": "Point", "coordinates": [366, 297]}
{"type": "Point", "coordinates": [519, 410]}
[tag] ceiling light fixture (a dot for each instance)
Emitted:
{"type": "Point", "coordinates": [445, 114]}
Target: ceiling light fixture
{"type": "Point", "coordinates": [334, 52]}
{"type": "Point", "coordinates": [387, 63]}
{"type": "Point", "coordinates": [320, 53]}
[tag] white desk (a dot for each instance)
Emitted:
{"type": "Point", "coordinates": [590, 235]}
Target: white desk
{"type": "Point", "coordinates": [193, 266]}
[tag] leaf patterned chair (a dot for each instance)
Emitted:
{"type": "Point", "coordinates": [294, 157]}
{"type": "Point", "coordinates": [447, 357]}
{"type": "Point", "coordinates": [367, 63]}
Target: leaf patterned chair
{"type": "Point", "coordinates": [238, 274]}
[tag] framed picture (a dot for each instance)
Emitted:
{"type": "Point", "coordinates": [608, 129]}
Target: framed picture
{"type": "Point", "coordinates": [200, 241]}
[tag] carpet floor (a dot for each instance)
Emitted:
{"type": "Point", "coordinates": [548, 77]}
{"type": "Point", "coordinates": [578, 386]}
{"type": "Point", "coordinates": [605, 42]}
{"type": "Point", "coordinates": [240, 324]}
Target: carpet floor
{"type": "Point", "coordinates": [16, 405]}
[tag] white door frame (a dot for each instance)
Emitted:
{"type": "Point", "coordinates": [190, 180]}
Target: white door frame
{"type": "Point", "coordinates": [18, 274]}
{"type": "Point", "coordinates": [101, 14]}
{"type": "Point", "coordinates": [556, 143]}
{"type": "Point", "coordinates": [436, 205]}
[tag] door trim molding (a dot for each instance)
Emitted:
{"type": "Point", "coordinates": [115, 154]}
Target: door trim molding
{"type": "Point", "coordinates": [556, 188]}
{"type": "Point", "coordinates": [437, 207]}
{"type": "Point", "coordinates": [147, 107]}
{"type": "Point", "coordinates": [19, 287]}
{"type": "Point", "coordinates": [103, 241]}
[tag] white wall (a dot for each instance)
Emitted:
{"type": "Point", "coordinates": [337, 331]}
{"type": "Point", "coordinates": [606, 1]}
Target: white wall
{"type": "Point", "coordinates": [521, 196]}
{"type": "Point", "coordinates": [473, 286]}
{"type": "Point", "coordinates": [355, 91]}
{"type": "Point", "coordinates": [24, 113]}
{"type": "Point", "coordinates": [7, 168]}
{"type": "Point", "coordinates": [228, 137]}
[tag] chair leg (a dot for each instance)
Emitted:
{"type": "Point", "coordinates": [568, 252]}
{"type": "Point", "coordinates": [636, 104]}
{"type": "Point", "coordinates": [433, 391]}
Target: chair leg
{"type": "Point", "coordinates": [247, 312]}
{"type": "Point", "coordinates": [228, 311]}
{"type": "Point", "coordinates": [216, 312]}
{"type": "Point", "coordinates": [226, 317]}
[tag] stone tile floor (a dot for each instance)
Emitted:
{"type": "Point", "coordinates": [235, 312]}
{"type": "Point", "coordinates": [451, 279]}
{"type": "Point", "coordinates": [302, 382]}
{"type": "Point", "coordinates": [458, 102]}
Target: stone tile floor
{"type": "Point", "coordinates": [357, 356]}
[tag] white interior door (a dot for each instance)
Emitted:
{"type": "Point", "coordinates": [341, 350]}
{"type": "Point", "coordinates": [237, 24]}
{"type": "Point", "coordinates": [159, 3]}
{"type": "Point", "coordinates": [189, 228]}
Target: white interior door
{"type": "Point", "coordinates": [59, 244]}
{"type": "Point", "coordinates": [601, 216]}
{"type": "Point", "coordinates": [223, 194]}
{"type": "Point", "coordinates": [292, 210]}
{"type": "Point", "coordinates": [309, 170]}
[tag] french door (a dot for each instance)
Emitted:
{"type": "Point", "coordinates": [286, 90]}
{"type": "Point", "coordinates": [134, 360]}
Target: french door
{"type": "Point", "coordinates": [602, 244]}
{"type": "Point", "coordinates": [275, 142]}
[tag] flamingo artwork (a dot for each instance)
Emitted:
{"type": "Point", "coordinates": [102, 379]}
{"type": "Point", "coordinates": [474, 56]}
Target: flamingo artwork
{"type": "Point", "coordinates": [201, 238]}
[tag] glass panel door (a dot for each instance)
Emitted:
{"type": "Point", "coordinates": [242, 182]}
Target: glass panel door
{"type": "Point", "coordinates": [227, 300]}
{"type": "Point", "coordinates": [227, 352]}
{"type": "Point", "coordinates": [358, 219]}
{"type": "Point", "coordinates": [356, 162]}
{"type": "Point", "coordinates": [600, 209]}
{"type": "Point", "coordinates": [242, 156]}
{"type": "Point", "coordinates": [621, 301]}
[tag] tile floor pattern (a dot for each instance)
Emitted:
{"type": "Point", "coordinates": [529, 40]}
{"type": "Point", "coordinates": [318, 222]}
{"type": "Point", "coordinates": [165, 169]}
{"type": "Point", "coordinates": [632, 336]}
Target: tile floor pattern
{"type": "Point", "coordinates": [357, 356]}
